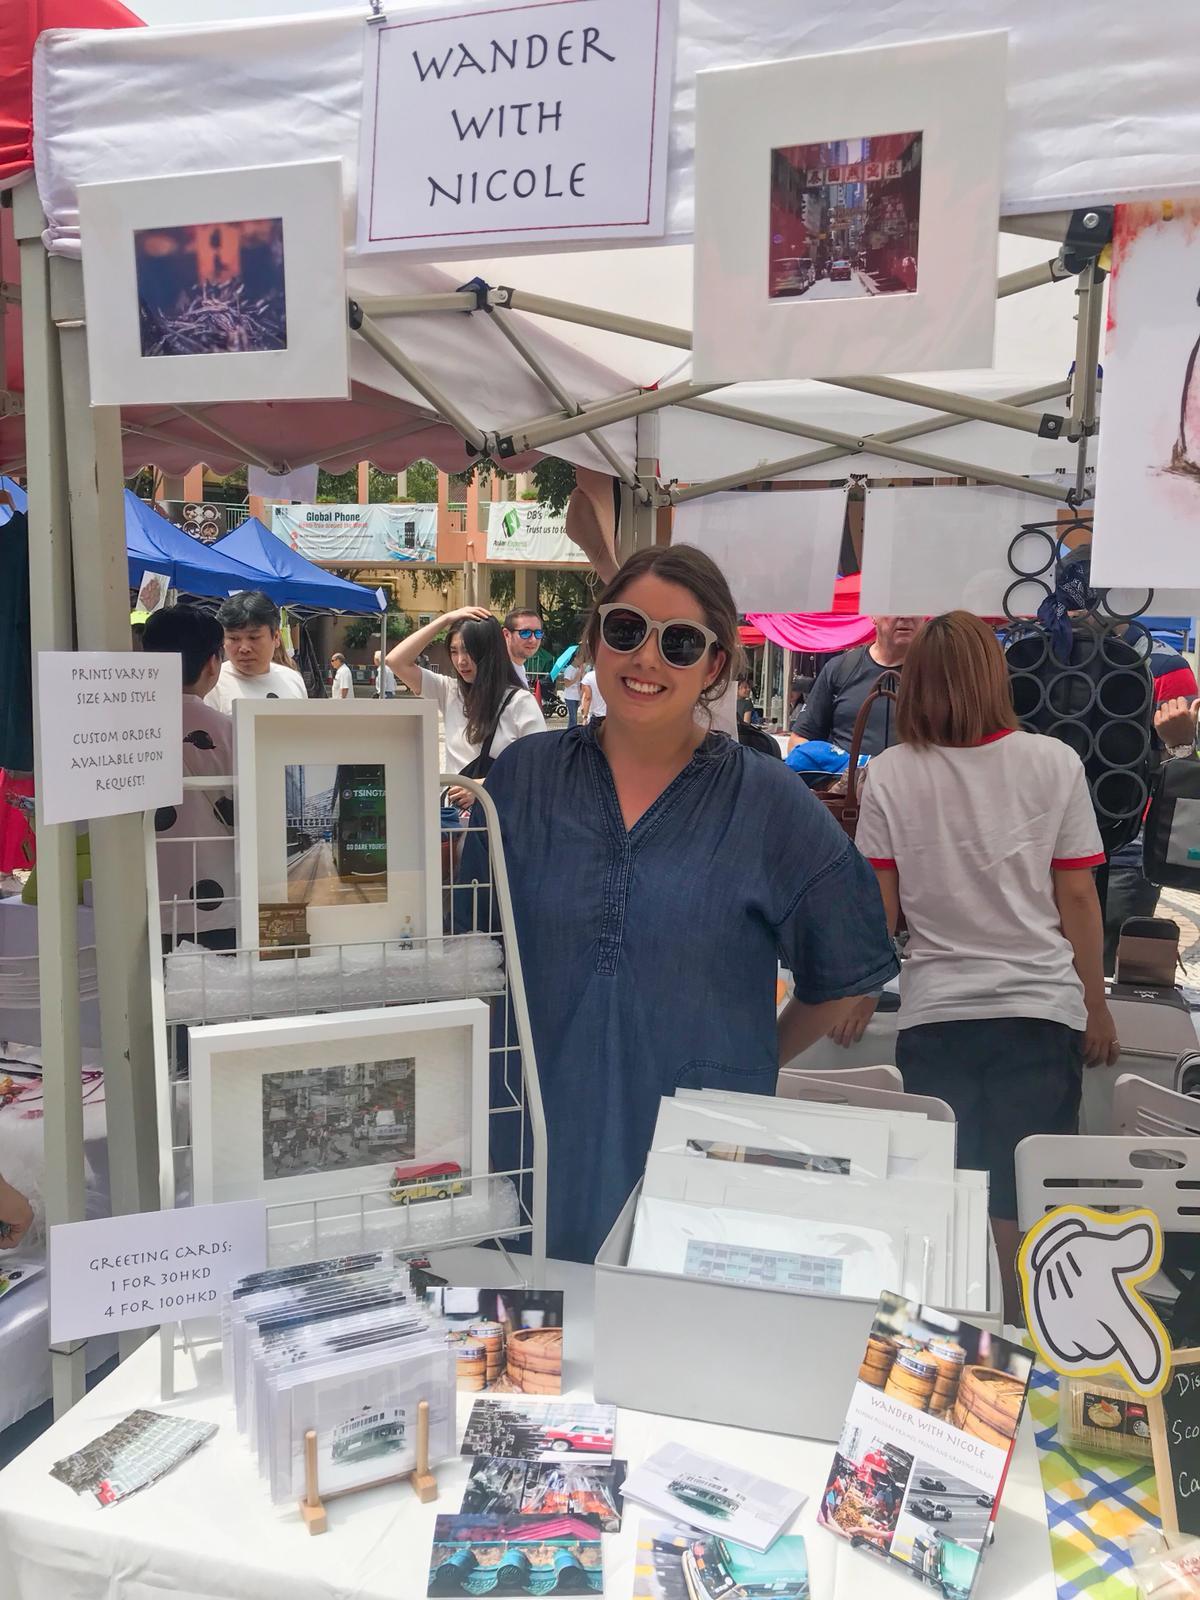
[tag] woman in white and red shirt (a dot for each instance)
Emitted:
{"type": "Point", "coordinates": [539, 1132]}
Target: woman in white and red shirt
{"type": "Point", "coordinates": [985, 837]}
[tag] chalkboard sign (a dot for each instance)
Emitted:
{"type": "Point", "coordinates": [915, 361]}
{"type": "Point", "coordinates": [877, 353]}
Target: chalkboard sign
{"type": "Point", "coordinates": [1175, 1435]}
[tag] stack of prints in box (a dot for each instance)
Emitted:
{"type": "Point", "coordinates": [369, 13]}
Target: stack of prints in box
{"type": "Point", "coordinates": [807, 1197]}
{"type": "Point", "coordinates": [345, 1348]}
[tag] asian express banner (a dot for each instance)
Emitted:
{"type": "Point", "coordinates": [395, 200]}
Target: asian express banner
{"type": "Point", "coordinates": [358, 533]}
{"type": "Point", "coordinates": [524, 530]}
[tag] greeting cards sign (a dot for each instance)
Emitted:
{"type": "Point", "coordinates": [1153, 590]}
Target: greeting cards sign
{"type": "Point", "coordinates": [497, 125]}
{"type": "Point", "coordinates": [110, 741]}
{"type": "Point", "coordinates": [150, 1267]}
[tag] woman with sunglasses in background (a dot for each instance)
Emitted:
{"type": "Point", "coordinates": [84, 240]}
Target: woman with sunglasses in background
{"type": "Point", "coordinates": [660, 871]}
{"type": "Point", "coordinates": [484, 706]}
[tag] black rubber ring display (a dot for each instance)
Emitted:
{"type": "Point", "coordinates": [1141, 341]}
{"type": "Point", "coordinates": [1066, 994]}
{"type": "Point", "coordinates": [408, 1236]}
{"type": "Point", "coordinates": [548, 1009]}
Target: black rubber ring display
{"type": "Point", "coordinates": [1031, 532]}
{"type": "Point", "coordinates": [1018, 583]}
{"type": "Point", "coordinates": [1068, 713]}
{"type": "Point", "coordinates": [1121, 775]}
{"type": "Point", "coordinates": [1105, 610]}
{"type": "Point", "coordinates": [1067, 725]}
{"type": "Point", "coordinates": [1126, 729]}
{"type": "Point", "coordinates": [1018, 682]}
{"type": "Point", "coordinates": [1114, 682]}
{"type": "Point", "coordinates": [1035, 636]}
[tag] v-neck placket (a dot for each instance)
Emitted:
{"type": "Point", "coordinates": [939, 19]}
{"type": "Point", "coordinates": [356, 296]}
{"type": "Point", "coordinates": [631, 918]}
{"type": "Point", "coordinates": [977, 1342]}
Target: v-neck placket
{"type": "Point", "coordinates": [624, 844]}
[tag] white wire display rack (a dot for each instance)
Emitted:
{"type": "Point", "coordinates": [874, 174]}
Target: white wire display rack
{"type": "Point", "coordinates": [198, 979]}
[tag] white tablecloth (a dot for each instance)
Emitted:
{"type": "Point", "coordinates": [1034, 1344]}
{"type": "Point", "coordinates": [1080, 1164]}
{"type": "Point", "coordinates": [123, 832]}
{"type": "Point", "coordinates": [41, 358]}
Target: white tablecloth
{"type": "Point", "coordinates": [209, 1531]}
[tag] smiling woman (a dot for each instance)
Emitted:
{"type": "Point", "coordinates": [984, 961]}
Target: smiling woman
{"type": "Point", "coordinates": [658, 871]}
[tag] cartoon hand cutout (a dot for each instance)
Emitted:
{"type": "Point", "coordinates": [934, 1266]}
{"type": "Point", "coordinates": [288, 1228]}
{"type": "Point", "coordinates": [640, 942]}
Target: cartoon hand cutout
{"type": "Point", "coordinates": [1078, 1270]}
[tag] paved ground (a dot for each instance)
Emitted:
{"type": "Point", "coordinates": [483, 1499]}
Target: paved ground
{"type": "Point", "coordinates": [1184, 907]}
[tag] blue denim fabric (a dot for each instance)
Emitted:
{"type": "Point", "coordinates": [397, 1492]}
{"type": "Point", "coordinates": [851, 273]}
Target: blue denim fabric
{"type": "Point", "coordinates": [650, 955]}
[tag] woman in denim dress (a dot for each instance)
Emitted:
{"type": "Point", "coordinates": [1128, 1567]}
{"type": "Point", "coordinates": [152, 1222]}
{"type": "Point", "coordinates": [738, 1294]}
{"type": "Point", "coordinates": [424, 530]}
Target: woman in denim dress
{"type": "Point", "coordinates": [659, 873]}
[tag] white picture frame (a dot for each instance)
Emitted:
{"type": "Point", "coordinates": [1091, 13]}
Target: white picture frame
{"type": "Point", "coordinates": [778, 549]}
{"type": "Point", "coordinates": [949, 91]}
{"type": "Point", "coordinates": [233, 1108]}
{"type": "Point", "coordinates": [400, 735]}
{"type": "Point", "coordinates": [126, 229]}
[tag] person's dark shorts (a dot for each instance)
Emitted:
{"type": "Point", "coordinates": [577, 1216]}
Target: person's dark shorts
{"type": "Point", "coordinates": [1005, 1077]}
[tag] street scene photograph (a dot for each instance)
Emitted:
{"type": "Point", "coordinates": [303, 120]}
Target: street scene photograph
{"type": "Point", "coordinates": [215, 287]}
{"type": "Point", "coordinates": [334, 1119]}
{"type": "Point", "coordinates": [336, 835]}
{"type": "Point", "coordinates": [845, 218]}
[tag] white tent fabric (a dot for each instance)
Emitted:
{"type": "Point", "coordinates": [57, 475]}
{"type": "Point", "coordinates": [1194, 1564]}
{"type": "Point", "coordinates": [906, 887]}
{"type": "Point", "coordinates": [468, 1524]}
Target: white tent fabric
{"type": "Point", "coordinates": [1101, 99]}
{"type": "Point", "coordinates": [693, 446]}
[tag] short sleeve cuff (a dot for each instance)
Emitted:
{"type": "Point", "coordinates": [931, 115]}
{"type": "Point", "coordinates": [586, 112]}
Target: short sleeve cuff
{"type": "Point", "coordinates": [882, 863]}
{"type": "Point", "coordinates": [1076, 863]}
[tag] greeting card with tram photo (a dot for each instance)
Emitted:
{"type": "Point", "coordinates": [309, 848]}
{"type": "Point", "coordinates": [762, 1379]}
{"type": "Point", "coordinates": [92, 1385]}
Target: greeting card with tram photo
{"type": "Point", "coordinates": [926, 1443]}
{"type": "Point", "coordinates": [714, 1496]}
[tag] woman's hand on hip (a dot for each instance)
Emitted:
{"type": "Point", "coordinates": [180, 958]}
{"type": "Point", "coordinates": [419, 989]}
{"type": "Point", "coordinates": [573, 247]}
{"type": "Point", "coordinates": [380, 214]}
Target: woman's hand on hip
{"type": "Point", "coordinates": [1101, 1047]}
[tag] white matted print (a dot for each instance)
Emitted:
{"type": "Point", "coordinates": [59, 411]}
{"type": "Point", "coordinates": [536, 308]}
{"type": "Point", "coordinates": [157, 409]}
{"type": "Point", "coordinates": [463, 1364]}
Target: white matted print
{"type": "Point", "coordinates": [846, 211]}
{"type": "Point", "coordinates": [778, 549]}
{"type": "Point", "coordinates": [294, 1109]}
{"type": "Point", "coordinates": [338, 809]}
{"type": "Point", "coordinates": [1147, 514]}
{"type": "Point", "coordinates": [931, 550]}
{"type": "Point", "coordinates": [519, 124]}
{"type": "Point", "coordinates": [216, 286]}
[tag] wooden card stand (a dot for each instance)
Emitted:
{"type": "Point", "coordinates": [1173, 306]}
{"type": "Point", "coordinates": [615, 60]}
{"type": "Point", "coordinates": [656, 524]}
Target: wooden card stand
{"type": "Point", "coordinates": [312, 1507]}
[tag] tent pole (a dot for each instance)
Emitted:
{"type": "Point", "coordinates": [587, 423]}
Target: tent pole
{"type": "Point", "coordinates": [941, 465]}
{"type": "Point", "coordinates": [50, 626]}
{"type": "Point", "coordinates": [407, 305]}
{"type": "Point", "coordinates": [764, 471]}
{"type": "Point", "coordinates": [532, 435]}
{"type": "Point", "coordinates": [1047, 426]}
{"type": "Point", "coordinates": [589, 317]}
{"type": "Point", "coordinates": [502, 299]}
{"type": "Point", "coordinates": [1038, 224]}
{"type": "Point", "coordinates": [1089, 318]}
{"type": "Point", "coordinates": [570, 407]}
{"type": "Point", "coordinates": [118, 852]}
{"type": "Point", "coordinates": [391, 352]}
{"type": "Point", "coordinates": [245, 453]}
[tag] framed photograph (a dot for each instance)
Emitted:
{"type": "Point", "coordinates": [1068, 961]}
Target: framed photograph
{"type": "Point", "coordinates": [340, 817]}
{"type": "Point", "coordinates": [1148, 462]}
{"type": "Point", "coordinates": [385, 1101]}
{"type": "Point", "coordinates": [846, 211]}
{"type": "Point", "coordinates": [216, 286]}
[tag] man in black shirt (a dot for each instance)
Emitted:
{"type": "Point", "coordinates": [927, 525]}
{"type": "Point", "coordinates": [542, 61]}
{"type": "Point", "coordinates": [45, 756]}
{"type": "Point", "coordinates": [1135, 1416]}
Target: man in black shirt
{"type": "Point", "coordinates": [845, 682]}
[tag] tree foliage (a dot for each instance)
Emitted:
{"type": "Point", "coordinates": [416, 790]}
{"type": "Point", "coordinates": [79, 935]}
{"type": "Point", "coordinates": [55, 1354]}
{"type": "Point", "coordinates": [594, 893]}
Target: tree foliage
{"type": "Point", "coordinates": [554, 480]}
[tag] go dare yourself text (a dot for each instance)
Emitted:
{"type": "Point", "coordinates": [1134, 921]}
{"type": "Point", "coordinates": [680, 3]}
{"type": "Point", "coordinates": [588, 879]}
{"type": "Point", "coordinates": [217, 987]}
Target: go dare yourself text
{"type": "Point", "coordinates": [510, 119]}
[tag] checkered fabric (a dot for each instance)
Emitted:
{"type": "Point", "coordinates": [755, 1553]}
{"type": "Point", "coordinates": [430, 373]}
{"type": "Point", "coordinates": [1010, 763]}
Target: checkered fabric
{"type": "Point", "coordinates": [1094, 1504]}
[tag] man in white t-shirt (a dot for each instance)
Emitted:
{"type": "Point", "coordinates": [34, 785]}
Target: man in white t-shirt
{"type": "Point", "coordinates": [343, 678]}
{"type": "Point", "coordinates": [385, 679]}
{"type": "Point", "coordinates": [251, 624]}
{"type": "Point", "coordinates": [592, 703]}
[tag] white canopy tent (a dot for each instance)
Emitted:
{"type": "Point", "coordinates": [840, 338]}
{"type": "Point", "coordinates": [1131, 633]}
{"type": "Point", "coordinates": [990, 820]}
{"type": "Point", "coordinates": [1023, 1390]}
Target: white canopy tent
{"type": "Point", "coordinates": [450, 375]}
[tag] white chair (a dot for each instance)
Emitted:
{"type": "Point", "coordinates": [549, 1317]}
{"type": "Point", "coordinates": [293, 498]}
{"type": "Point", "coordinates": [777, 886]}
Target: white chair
{"type": "Point", "coordinates": [1147, 1110]}
{"type": "Point", "coordinates": [1111, 1172]}
{"type": "Point", "coordinates": [876, 1077]}
{"type": "Point", "coordinates": [830, 1090]}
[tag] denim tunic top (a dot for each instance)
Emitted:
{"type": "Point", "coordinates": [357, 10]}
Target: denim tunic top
{"type": "Point", "coordinates": [650, 954]}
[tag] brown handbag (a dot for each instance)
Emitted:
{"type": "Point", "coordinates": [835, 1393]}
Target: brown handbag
{"type": "Point", "coordinates": [843, 803]}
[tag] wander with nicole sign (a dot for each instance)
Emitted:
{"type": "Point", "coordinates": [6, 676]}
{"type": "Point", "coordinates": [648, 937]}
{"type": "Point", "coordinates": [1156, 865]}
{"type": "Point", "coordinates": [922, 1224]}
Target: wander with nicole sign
{"type": "Point", "coordinates": [496, 124]}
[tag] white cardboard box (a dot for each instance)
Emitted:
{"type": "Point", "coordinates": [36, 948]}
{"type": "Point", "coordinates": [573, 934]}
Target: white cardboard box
{"type": "Point", "coordinates": [750, 1358]}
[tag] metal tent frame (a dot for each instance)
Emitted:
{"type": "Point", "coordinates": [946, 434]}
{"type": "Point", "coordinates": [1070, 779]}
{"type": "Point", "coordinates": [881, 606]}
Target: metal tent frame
{"type": "Point", "coordinates": [79, 598]}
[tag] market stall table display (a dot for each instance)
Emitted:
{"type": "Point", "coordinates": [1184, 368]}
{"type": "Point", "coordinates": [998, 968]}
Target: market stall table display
{"type": "Point", "coordinates": [209, 1529]}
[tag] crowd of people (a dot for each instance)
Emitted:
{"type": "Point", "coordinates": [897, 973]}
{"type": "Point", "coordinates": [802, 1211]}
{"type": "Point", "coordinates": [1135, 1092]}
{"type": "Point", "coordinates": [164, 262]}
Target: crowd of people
{"type": "Point", "coordinates": [662, 869]}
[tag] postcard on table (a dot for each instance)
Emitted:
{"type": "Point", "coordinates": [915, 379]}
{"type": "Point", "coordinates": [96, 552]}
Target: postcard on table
{"type": "Point", "coordinates": [561, 1488]}
{"type": "Point", "coordinates": [507, 1341]}
{"type": "Point", "coordinates": [530, 1432]}
{"type": "Point", "coordinates": [926, 1444]}
{"type": "Point", "coordinates": [713, 1496]}
{"type": "Point", "coordinates": [515, 1555]}
{"type": "Point", "coordinates": [674, 1559]}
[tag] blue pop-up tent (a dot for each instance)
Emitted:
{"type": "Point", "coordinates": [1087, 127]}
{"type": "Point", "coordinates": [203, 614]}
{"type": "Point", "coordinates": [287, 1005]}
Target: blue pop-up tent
{"type": "Point", "coordinates": [286, 575]}
{"type": "Point", "coordinates": [155, 545]}
{"type": "Point", "coordinates": [152, 544]}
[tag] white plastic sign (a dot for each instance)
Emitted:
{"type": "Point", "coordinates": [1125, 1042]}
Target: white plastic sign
{"type": "Point", "coordinates": [150, 1267]}
{"type": "Point", "coordinates": [486, 126]}
{"type": "Point", "coordinates": [110, 733]}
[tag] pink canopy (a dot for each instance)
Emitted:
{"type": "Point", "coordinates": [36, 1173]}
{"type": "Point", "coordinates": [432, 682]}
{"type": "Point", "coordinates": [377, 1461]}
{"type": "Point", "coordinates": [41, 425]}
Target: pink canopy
{"type": "Point", "coordinates": [821, 631]}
